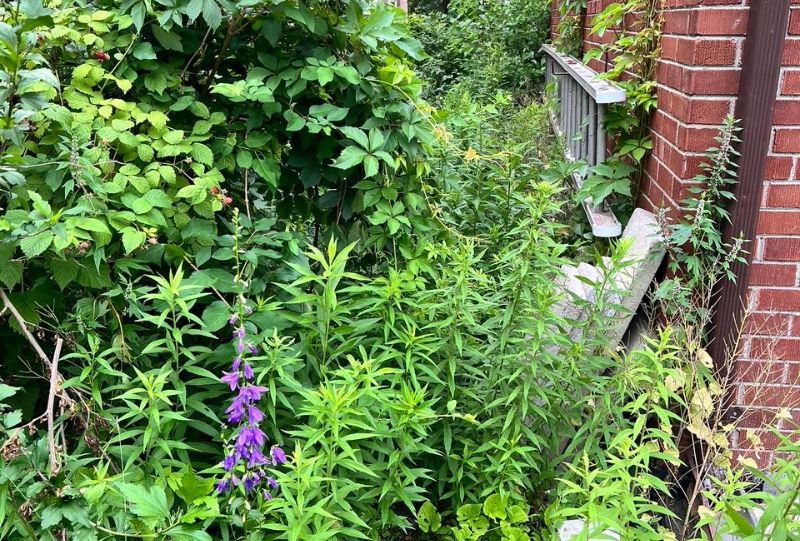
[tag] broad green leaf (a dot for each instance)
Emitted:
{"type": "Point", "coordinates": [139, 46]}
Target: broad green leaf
{"type": "Point", "coordinates": [202, 154]}
{"type": "Point", "coordinates": [132, 239]}
{"type": "Point", "coordinates": [34, 245]}
{"type": "Point", "coordinates": [145, 503]}
{"type": "Point", "coordinates": [349, 158]}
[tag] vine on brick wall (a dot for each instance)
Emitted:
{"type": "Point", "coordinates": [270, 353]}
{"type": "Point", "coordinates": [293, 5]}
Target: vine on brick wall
{"type": "Point", "coordinates": [631, 53]}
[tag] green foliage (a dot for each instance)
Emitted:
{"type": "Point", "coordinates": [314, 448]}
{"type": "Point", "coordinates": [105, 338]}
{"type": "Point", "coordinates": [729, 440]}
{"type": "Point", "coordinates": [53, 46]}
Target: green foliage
{"type": "Point", "coordinates": [633, 46]}
{"type": "Point", "coordinates": [482, 46]}
{"type": "Point", "coordinates": [695, 243]}
{"type": "Point", "coordinates": [494, 519]}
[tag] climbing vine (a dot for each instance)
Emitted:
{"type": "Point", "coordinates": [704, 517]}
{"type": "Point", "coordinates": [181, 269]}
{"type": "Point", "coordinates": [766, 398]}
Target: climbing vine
{"type": "Point", "coordinates": [631, 57]}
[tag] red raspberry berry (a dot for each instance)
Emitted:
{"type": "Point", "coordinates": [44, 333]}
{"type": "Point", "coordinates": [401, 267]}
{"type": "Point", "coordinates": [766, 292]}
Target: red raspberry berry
{"type": "Point", "coordinates": [227, 200]}
{"type": "Point", "coordinates": [214, 190]}
{"type": "Point", "coordinates": [101, 55]}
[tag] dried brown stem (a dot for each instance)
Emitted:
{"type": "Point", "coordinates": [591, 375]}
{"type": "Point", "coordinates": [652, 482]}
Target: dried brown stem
{"type": "Point", "coordinates": [24, 327]}
{"type": "Point", "coordinates": [55, 383]}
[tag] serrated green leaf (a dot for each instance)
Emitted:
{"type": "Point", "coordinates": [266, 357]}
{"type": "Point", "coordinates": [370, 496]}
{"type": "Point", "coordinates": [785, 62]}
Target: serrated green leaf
{"type": "Point", "coordinates": [202, 154]}
{"type": "Point", "coordinates": [145, 503]}
{"type": "Point", "coordinates": [132, 239]}
{"type": "Point", "coordinates": [350, 157]}
{"type": "Point", "coordinates": [34, 245]}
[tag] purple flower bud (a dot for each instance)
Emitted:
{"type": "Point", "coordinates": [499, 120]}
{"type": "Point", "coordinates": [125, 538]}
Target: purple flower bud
{"type": "Point", "coordinates": [231, 379]}
{"type": "Point", "coordinates": [239, 347]}
{"type": "Point", "coordinates": [233, 319]}
{"type": "Point", "coordinates": [222, 486]}
{"type": "Point", "coordinates": [237, 362]}
{"type": "Point", "coordinates": [272, 483]}
{"type": "Point", "coordinates": [248, 372]}
{"type": "Point", "coordinates": [229, 462]}
{"type": "Point", "coordinates": [278, 456]}
{"type": "Point", "coordinates": [252, 349]}
{"type": "Point", "coordinates": [248, 310]}
{"type": "Point", "coordinates": [239, 332]}
{"type": "Point", "coordinates": [266, 494]}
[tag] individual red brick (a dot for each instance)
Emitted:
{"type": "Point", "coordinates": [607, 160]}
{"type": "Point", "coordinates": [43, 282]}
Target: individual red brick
{"type": "Point", "coordinates": [774, 348]}
{"type": "Point", "coordinates": [793, 373]}
{"type": "Point", "coordinates": [782, 249]}
{"type": "Point", "coordinates": [720, 22]}
{"type": "Point", "coordinates": [767, 324]}
{"type": "Point", "coordinates": [695, 52]}
{"type": "Point", "coordinates": [698, 81]}
{"type": "Point", "coordinates": [771, 396]}
{"type": "Point", "coordinates": [791, 83]}
{"type": "Point", "coordinates": [696, 139]}
{"type": "Point", "coordinates": [664, 126]}
{"type": "Point", "coordinates": [771, 274]}
{"type": "Point", "coordinates": [718, 82]}
{"type": "Point", "coordinates": [757, 418]}
{"type": "Point", "coordinates": [786, 113]}
{"type": "Point", "coordinates": [676, 21]}
{"type": "Point", "coordinates": [778, 222]}
{"type": "Point", "coordinates": [791, 52]}
{"type": "Point", "coordinates": [781, 300]}
{"type": "Point", "coordinates": [794, 22]}
{"type": "Point", "coordinates": [778, 167]}
{"type": "Point", "coordinates": [787, 140]}
{"type": "Point", "coordinates": [783, 196]}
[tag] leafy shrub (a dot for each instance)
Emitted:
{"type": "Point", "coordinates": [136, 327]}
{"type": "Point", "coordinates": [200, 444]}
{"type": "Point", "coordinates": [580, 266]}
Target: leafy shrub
{"type": "Point", "coordinates": [482, 45]}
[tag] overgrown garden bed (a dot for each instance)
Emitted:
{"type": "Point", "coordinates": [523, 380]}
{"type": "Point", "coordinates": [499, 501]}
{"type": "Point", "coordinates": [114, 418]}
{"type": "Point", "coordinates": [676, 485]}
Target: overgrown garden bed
{"type": "Point", "coordinates": [256, 286]}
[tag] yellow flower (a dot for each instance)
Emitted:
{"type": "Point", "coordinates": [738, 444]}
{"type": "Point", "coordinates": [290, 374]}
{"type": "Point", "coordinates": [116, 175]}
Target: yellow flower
{"type": "Point", "coordinates": [470, 155]}
{"type": "Point", "coordinates": [440, 133]}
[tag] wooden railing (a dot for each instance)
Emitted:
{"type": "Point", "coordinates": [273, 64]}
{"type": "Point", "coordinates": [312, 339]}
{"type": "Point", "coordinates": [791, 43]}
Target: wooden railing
{"type": "Point", "coordinates": [582, 98]}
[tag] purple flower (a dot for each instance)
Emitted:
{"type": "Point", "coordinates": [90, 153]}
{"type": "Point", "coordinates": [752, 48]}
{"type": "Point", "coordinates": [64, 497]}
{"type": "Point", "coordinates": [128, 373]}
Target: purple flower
{"type": "Point", "coordinates": [254, 415]}
{"type": "Point", "coordinates": [278, 456]}
{"type": "Point", "coordinates": [231, 379]}
{"type": "Point", "coordinates": [245, 461]}
{"type": "Point", "coordinates": [251, 436]}
{"type": "Point", "coordinates": [251, 481]}
{"type": "Point", "coordinates": [236, 410]}
{"type": "Point", "coordinates": [252, 393]}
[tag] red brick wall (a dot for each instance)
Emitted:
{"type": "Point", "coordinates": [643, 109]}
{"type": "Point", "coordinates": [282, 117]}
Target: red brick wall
{"type": "Point", "coordinates": [698, 79]}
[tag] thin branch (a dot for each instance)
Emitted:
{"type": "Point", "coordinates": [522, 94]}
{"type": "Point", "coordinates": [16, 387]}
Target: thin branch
{"type": "Point", "coordinates": [247, 192]}
{"type": "Point", "coordinates": [226, 43]}
{"type": "Point", "coordinates": [24, 327]}
{"type": "Point", "coordinates": [55, 383]}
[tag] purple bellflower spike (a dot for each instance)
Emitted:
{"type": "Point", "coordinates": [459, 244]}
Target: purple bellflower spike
{"type": "Point", "coordinates": [245, 462]}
